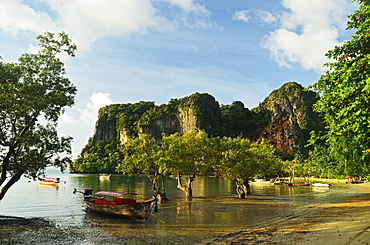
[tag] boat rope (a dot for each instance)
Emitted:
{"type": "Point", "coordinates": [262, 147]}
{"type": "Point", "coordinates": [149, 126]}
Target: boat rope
{"type": "Point", "coordinates": [155, 216]}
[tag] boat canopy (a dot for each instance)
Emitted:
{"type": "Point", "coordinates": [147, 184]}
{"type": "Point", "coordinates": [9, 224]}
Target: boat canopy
{"type": "Point", "coordinates": [48, 178]}
{"type": "Point", "coordinates": [111, 193]}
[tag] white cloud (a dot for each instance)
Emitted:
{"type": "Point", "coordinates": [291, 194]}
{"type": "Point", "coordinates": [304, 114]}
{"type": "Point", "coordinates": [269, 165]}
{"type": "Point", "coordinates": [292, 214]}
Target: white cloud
{"type": "Point", "coordinates": [89, 20]}
{"type": "Point", "coordinates": [16, 16]}
{"type": "Point", "coordinates": [193, 15]}
{"type": "Point", "coordinates": [265, 16]}
{"type": "Point", "coordinates": [187, 5]}
{"type": "Point", "coordinates": [89, 114]}
{"type": "Point", "coordinates": [260, 15]}
{"type": "Point", "coordinates": [308, 29]}
{"type": "Point", "coordinates": [86, 21]}
{"type": "Point", "coordinates": [67, 119]}
{"type": "Point", "coordinates": [79, 122]}
{"type": "Point", "coordinates": [32, 49]}
{"type": "Point", "coordinates": [242, 15]}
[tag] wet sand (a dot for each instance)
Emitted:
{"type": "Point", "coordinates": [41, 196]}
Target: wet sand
{"type": "Point", "coordinates": [344, 221]}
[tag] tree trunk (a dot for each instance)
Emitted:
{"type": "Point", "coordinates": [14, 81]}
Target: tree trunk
{"type": "Point", "coordinates": [247, 187]}
{"type": "Point", "coordinates": [164, 197]}
{"type": "Point", "coordinates": [239, 189]}
{"type": "Point", "coordinates": [157, 189]}
{"type": "Point", "coordinates": [5, 165]}
{"type": "Point", "coordinates": [187, 187]}
{"type": "Point", "coordinates": [15, 177]}
{"type": "Point", "coordinates": [243, 188]}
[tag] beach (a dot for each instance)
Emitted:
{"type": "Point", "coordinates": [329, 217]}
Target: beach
{"type": "Point", "coordinates": [342, 221]}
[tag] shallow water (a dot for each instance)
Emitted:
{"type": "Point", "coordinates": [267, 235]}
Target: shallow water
{"type": "Point", "coordinates": [214, 210]}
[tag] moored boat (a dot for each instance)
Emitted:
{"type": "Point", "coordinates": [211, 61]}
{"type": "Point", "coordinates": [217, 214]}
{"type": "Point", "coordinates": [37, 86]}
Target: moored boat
{"type": "Point", "coordinates": [49, 181]}
{"type": "Point", "coordinates": [298, 184]}
{"type": "Point", "coordinates": [280, 181]}
{"type": "Point", "coordinates": [262, 182]}
{"type": "Point", "coordinates": [115, 203]}
{"type": "Point", "coordinates": [320, 184]}
{"type": "Point", "coordinates": [104, 176]}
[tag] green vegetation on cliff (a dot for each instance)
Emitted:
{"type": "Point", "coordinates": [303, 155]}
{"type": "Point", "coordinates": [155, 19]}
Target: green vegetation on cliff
{"type": "Point", "coordinates": [284, 118]}
{"type": "Point", "coordinates": [289, 111]}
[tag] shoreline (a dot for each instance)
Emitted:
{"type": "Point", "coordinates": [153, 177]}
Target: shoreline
{"type": "Point", "coordinates": [341, 221]}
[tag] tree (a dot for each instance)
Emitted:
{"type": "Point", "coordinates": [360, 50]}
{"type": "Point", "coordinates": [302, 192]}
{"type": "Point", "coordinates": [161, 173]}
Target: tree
{"type": "Point", "coordinates": [298, 167]}
{"type": "Point", "coordinates": [33, 94]}
{"type": "Point", "coordinates": [186, 156]}
{"type": "Point", "coordinates": [242, 160]}
{"type": "Point", "coordinates": [140, 155]}
{"type": "Point", "coordinates": [345, 98]}
{"type": "Point", "coordinates": [322, 162]}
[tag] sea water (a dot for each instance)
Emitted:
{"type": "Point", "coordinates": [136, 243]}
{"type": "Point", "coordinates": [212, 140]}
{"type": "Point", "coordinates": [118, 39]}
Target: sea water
{"type": "Point", "coordinates": [213, 210]}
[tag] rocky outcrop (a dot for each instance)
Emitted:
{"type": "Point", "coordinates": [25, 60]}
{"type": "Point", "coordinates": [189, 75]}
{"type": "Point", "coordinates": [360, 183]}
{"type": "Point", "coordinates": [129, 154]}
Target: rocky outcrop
{"type": "Point", "coordinates": [291, 118]}
{"type": "Point", "coordinates": [105, 128]}
{"type": "Point", "coordinates": [195, 112]}
{"type": "Point", "coordinates": [168, 124]}
{"type": "Point", "coordinates": [180, 121]}
{"type": "Point", "coordinates": [284, 118]}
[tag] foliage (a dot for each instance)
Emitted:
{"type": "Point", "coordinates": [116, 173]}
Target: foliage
{"type": "Point", "coordinates": [299, 167]}
{"type": "Point", "coordinates": [128, 116]}
{"type": "Point", "coordinates": [186, 155]}
{"type": "Point", "coordinates": [140, 155]}
{"type": "Point", "coordinates": [242, 160]}
{"type": "Point", "coordinates": [96, 156]}
{"type": "Point", "coordinates": [293, 100]}
{"type": "Point", "coordinates": [152, 114]}
{"type": "Point", "coordinates": [345, 101]}
{"type": "Point", "coordinates": [217, 121]}
{"type": "Point", "coordinates": [238, 120]}
{"type": "Point", "coordinates": [34, 92]}
{"type": "Point", "coordinates": [206, 109]}
{"type": "Point", "coordinates": [103, 159]}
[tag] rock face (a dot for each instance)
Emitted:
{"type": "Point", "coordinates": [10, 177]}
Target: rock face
{"type": "Point", "coordinates": [285, 118]}
{"type": "Point", "coordinates": [195, 112]}
{"type": "Point", "coordinates": [180, 121]}
{"type": "Point", "coordinates": [291, 118]}
{"type": "Point", "coordinates": [105, 128]}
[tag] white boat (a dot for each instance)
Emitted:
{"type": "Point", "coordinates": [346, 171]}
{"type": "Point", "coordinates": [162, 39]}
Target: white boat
{"type": "Point", "coordinates": [320, 184]}
{"type": "Point", "coordinates": [104, 176]}
{"type": "Point", "coordinates": [262, 182]}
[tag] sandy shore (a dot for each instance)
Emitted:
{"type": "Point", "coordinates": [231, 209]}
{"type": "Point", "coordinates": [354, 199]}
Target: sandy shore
{"type": "Point", "coordinates": [345, 221]}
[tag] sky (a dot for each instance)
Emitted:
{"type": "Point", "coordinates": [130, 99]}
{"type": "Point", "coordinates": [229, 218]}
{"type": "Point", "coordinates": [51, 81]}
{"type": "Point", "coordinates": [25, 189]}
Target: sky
{"type": "Point", "coordinates": [155, 50]}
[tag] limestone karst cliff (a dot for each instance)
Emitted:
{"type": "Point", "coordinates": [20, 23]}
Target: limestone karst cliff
{"type": "Point", "coordinates": [291, 118]}
{"type": "Point", "coordinates": [284, 118]}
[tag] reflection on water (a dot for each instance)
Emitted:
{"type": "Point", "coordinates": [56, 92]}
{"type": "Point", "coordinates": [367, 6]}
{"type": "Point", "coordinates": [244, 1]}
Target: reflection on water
{"type": "Point", "coordinates": [214, 210]}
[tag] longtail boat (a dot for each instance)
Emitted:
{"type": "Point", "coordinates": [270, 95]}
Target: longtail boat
{"type": "Point", "coordinates": [298, 184]}
{"type": "Point", "coordinates": [49, 181]}
{"type": "Point", "coordinates": [115, 203]}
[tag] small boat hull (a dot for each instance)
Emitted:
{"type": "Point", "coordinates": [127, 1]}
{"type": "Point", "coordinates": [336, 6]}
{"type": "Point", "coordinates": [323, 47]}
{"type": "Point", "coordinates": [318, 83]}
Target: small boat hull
{"type": "Point", "coordinates": [321, 184]}
{"type": "Point", "coordinates": [292, 184]}
{"type": "Point", "coordinates": [138, 210]}
{"type": "Point", "coordinates": [49, 181]}
{"type": "Point", "coordinates": [104, 176]}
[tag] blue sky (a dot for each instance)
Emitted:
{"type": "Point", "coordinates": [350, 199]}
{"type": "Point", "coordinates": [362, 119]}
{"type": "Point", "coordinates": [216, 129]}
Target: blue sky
{"type": "Point", "coordinates": [155, 50]}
